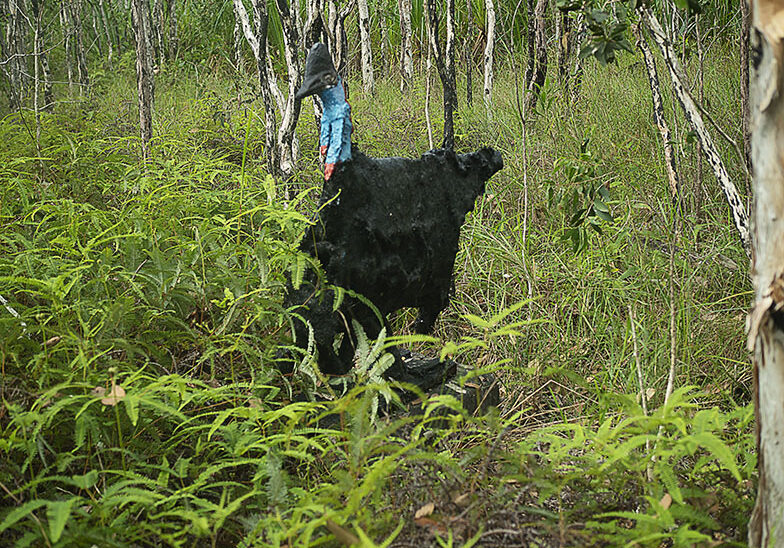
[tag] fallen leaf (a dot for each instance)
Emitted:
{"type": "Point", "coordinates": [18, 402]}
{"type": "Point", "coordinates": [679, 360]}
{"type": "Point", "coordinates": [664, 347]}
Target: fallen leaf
{"type": "Point", "coordinates": [54, 340]}
{"type": "Point", "coordinates": [461, 500]}
{"type": "Point", "coordinates": [666, 501]}
{"type": "Point", "coordinates": [426, 510]}
{"type": "Point", "coordinates": [649, 393]}
{"type": "Point", "coordinates": [98, 392]}
{"type": "Point", "coordinates": [115, 395]}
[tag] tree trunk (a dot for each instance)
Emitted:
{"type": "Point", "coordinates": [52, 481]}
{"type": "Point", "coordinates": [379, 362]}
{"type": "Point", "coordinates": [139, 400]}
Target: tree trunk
{"type": "Point", "coordinates": [314, 30]}
{"type": "Point", "coordinates": [564, 49]}
{"type": "Point", "coordinates": [174, 40]}
{"type": "Point", "coordinates": [766, 320]}
{"type": "Point", "coordinates": [660, 121]}
{"type": "Point", "coordinates": [81, 54]}
{"type": "Point", "coordinates": [468, 55]}
{"type": "Point", "coordinates": [257, 40]}
{"type": "Point", "coordinates": [577, 70]}
{"type": "Point", "coordinates": [14, 43]}
{"type": "Point", "coordinates": [445, 63]}
{"type": "Point", "coordinates": [144, 72]}
{"type": "Point", "coordinates": [107, 33]}
{"type": "Point", "coordinates": [694, 117]}
{"type": "Point", "coordinates": [406, 53]}
{"type": "Point", "coordinates": [368, 82]}
{"type": "Point", "coordinates": [536, 72]}
{"type": "Point", "coordinates": [338, 45]}
{"type": "Point", "coordinates": [488, 58]}
{"type": "Point", "coordinates": [65, 22]}
{"type": "Point", "coordinates": [157, 30]}
{"type": "Point", "coordinates": [287, 142]}
{"type": "Point", "coordinates": [744, 80]}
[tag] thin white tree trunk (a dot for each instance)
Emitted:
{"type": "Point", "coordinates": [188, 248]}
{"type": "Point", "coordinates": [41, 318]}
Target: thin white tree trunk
{"type": "Point", "coordinates": [368, 81]}
{"type": "Point", "coordinates": [174, 40]}
{"type": "Point", "coordinates": [766, 320]}
{"type": "Point", "coordinates": [144, 72]}
{"type": "Point", "coordinates": [659, 119]}
{"type": "Point", "coordinates": [694, 118]}
{"type": "Point", "coordinates": [107, 34]}
{"type": "Point", "coordinates": [287, 144]}
{"type": "Point", "coordinates": [406, 54]}
{"type": "Point", "coordinates": [488, 58]}
{"type": "Point", "coordinates": [65, 22]}
{"type": "Point", "coordinates": [81, 54]}
{"type": "Point", "coordinates": [15, 54]}
{"type": "Point", "coordinates": [257, 40]}
{"type": "Point", "coordinates": [157, 30]}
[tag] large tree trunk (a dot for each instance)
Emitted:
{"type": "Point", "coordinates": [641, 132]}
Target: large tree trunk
{"type": "Point", "coordinates": [406, 54]}
{"type": "Point", "coordinates": [766, 320]}
{"type": "Point", "coordinates": [488, 58]}
{"type": "Point", "coordinates": [144, 71]}
{"type": "Point", "coordinates": [368, 81]}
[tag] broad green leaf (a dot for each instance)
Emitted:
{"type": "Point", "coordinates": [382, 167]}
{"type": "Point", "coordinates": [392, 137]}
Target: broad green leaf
{"type": "Point", "coordinates": [57, 514]}
{"type": "Point", "coordinates": [20, 512]}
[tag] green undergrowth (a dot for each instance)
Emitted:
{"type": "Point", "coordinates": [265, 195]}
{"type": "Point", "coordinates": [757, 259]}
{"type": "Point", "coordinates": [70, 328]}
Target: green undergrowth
{"type": "Point", "coordinates": [141, 405]}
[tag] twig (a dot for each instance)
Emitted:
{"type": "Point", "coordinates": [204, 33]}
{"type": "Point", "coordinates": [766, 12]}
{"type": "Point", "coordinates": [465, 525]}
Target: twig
{"type": "Point", "coordinates": [13, 312]}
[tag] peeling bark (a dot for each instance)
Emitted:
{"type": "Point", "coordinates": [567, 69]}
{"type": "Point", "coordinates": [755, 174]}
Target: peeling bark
{"type": "Point", "coordinates": [288, 148]}
{"type": "Point", "coordinates": [694, 118]}
{"type": "Point", "coordinates": [660, 121]}
{"type": "Point", "coordinates": [368, 80]}
{"type": "Point", "coordinates": [406, 55]}
{"type": "Point", "coordinates": [78, 34]}
{"type": "Point", "coordinates": [766, 320]}
{"type": "Point", "coordinates": [257, 40]}
{"type": "Point", "coordinates": [281, 145]}
{"type": "Point", "coordinates": [488, 58]}
{"type": "Point", "coordinates": [144, 71]}
{"type": "Point", "coordinates": [107, 33]}
{"type": "Point", "coordinates": [536, 72]}
{"type": "Point", "coordinates": [174, 39]}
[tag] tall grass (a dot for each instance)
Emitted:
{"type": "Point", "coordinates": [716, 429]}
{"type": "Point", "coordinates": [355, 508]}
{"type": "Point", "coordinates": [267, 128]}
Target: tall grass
{"type": "Point", "coordinates": [142, 406]}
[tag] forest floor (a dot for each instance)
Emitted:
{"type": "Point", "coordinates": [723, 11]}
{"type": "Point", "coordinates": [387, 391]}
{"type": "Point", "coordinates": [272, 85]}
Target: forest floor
{"type": "Point", "coordinates": [142, 407]}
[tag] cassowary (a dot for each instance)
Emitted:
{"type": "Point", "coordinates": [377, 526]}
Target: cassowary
{"type": "Point", "coordinates": [386, 229]}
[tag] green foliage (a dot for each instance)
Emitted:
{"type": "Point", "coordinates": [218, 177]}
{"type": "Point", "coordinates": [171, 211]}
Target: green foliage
{"type": "Point", "coordinates": [582, 195]}
{"type": "Point", "coordinates": [141, 405]}
{"type": "Point", "coordinates": [608, 33]}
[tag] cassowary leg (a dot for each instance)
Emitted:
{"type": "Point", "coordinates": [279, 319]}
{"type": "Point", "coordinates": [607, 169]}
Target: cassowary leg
{"type": "Point", "coordinates": [427, 316]}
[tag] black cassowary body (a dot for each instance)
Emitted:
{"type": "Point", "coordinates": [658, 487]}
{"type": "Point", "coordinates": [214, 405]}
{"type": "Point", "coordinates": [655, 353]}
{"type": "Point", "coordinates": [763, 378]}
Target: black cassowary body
{"type": "Point", "coordinates": [387, 229]}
